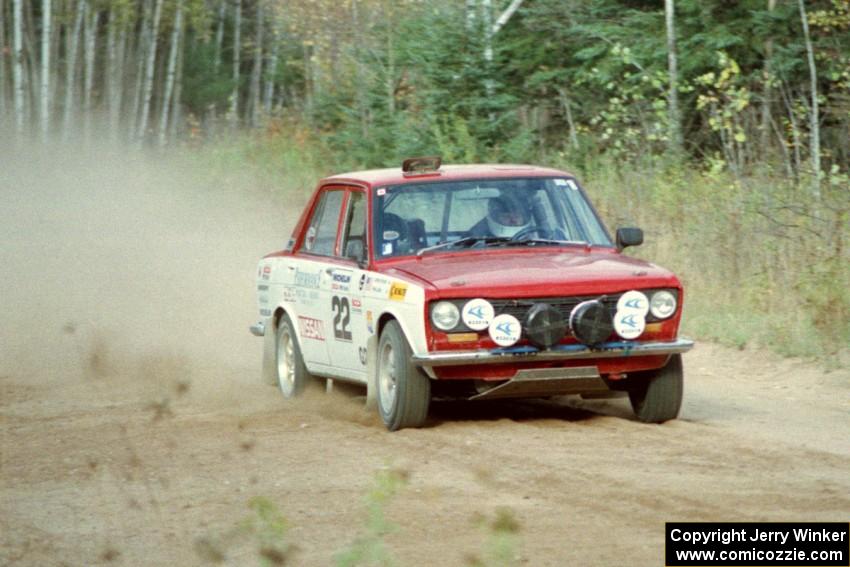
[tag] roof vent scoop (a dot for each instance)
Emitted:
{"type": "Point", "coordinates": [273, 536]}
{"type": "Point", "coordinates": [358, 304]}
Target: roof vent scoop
{"type": "Point", "coordinates": [544, 325]}
{"type": "Point", "coordinates": [421, 165]}
{"type": "Point", "coordinates": [591, 322]}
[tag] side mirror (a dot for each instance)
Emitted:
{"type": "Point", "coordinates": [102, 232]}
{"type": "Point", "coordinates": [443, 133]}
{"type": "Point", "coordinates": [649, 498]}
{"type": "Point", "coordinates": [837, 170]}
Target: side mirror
{"type": "Point", "coordinates": [629, 236]}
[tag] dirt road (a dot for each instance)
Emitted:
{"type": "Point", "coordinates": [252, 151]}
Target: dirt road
{"type": "Point", "coordinates": [135, 430]}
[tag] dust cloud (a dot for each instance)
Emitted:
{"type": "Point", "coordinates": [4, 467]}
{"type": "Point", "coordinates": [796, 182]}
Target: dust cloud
{"type": "Point", "coordinates": [121, 265]}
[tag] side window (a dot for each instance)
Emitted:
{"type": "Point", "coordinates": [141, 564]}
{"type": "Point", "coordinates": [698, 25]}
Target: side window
{"type": "Point", "coordinates": [354, 235]}
{"type": "Point", "coordinates": [321, 232]}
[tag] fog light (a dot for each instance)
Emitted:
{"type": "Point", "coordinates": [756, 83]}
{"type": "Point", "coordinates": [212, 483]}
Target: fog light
{"type": "Point", "coordinates": [544, 325]}
{"type": "Point", "coordinates": [590, 322]}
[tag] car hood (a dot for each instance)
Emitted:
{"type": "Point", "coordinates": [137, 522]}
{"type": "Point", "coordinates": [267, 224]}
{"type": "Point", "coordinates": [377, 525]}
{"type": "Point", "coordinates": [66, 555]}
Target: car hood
{"type": "Point", "coordinates": [532, 273]}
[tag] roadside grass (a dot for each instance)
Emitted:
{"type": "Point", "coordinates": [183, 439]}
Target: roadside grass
{"type": "Point", "coordinates": [763, 262]}
{"type": "Point", "coordinates": [266, 531]}
{"type": "Point", "coordinates": [369, 548]}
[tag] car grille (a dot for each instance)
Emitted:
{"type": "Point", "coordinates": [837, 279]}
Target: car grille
{"type": "Point", "coordinates": [565, 305]}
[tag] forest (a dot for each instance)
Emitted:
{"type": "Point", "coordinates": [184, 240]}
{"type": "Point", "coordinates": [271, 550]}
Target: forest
{"type": "Point", "coordinates": [720, 126]}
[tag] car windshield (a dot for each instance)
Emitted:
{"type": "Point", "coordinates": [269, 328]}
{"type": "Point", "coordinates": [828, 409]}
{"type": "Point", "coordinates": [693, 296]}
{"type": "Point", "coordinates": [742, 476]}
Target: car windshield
{"type": "Point", "coordinates": [424, 217]}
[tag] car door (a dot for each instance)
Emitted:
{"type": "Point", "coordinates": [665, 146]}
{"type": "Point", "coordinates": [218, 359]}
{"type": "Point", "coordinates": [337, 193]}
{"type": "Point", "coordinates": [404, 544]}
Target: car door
{"type": "Point", "coordinates": [344, 302]}
{"type": "Point", "coordinates": [309, 277]}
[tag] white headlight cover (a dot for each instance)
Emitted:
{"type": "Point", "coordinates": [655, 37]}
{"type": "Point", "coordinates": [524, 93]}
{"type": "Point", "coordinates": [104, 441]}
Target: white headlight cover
{"type": "Point", "coordinates": [633, 302]}
{"type": "Point", "coordinates": [445, 315]}
{"type": "Point", "coordinates": [663, 304]}
{"type": "Point", "coordinates": [477, 314]}
{"type": "Point", "coordinates": [505, 330]}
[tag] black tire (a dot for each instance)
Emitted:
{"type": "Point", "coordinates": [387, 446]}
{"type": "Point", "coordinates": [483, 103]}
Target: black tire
{"type": "Point", "coordinates": [404, 392]}
{"type": "Point", "coordinates": [292, 375]}
{"type": "Point", "coordinates": [657, 396]}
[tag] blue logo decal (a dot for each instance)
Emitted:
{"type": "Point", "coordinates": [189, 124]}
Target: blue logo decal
{"type": "Point", "coordinates": [477, 312]}
{"type": "Point", "coordinates": [629, 321]}
{"type": "Point", "coordinates": [505, 328]}
{"type": "Point", "coordinates": [634, 303]}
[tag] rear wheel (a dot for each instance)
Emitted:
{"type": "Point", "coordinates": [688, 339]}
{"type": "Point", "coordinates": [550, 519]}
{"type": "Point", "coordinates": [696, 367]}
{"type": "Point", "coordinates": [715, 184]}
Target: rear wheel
{"type": "Point", "coordinates": [657, 396]}
{"type": "Point", "coordinates": [404, 392]}
{"type": "Point", "coordinates": [292, 373]}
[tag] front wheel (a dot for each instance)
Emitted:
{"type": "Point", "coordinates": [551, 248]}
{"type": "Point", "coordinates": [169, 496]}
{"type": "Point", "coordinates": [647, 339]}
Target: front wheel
{"type": "Point", "coordinates": [404, 393]}
{"type": "Point", "coordinates": [657, 396]}
{"type": "Point", "coordinates": [292, 374]}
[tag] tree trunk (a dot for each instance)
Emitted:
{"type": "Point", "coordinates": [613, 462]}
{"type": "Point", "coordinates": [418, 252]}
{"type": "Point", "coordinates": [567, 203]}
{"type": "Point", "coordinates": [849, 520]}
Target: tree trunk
{"type": "Point", "coordinates": [45, 68]}
{"type": "Point", "coordinates": [115, 41]}
{"type": "Point", "coordinates": [360, 86]}
{"type": "Point", "coordinates": [219, 32]}
{"type": "Point", "coordinates": [18, 64]}
{"type": "Point", "coordinates": [767, 91]}
{"type": "Point", "coordinates": [88, 74]}
{"type": "Point", "coordinates": [237, 43]}
{"type": "Point", "coordinates": [487, 14]}
{"type": "Point", "coordinates": [137, 55]}
{"type": "Point", "coordinates": [2, 61]}
{"type": "Point", "coordinates": [32, 80]}
{"type": "Point", "coordinates": [389, 80]}
{"type": "Point", "coordinates": [178, 92]}
{"type": "Point", "coordinates": [271, 67]}
{"type": "Point", "coordinates": [673, 117]}
{"type": "Point", "coordinates": [568, 114]}
{"type": "Point", "coordinates": [254, 96]}
{"type": "Point", "coordinates": [506, 15]}
{"type": "Point", "coordinates": [149, 71]}
{"type": "Point", "coordinates": [172, 68]}
{"type": "Point", "coordinates": [814, 115]}
{"type": "Point", "coordinates": [71, 44]}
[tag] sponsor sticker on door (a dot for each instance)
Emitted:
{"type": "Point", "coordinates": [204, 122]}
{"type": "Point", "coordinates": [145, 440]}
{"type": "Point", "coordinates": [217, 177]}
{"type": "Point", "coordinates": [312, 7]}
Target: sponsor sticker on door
{"type": "Point", "coordinates": [311, 328]}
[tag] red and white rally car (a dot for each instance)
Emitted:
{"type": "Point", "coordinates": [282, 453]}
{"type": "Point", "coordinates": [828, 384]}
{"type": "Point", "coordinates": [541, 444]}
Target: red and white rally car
{"type": "Point", "coordinates": [479, 282]}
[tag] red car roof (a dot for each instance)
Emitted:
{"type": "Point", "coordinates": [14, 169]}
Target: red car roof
{"type": "Point", "coordinates": [394, 176]}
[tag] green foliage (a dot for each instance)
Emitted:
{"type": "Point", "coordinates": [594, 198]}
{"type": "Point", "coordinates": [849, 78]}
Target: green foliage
{"type": "Point", "coordinates": [204, 84]}
{"type": "Point", "coordinates": [369, 548]}
{"type": "Point", "coordinates": [502, 540]}
{"type": "Point", "coordinates": [269, 528]}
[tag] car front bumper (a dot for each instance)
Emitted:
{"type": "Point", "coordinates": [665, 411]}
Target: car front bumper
{"type": "Point", "coordinates": [615, 349]}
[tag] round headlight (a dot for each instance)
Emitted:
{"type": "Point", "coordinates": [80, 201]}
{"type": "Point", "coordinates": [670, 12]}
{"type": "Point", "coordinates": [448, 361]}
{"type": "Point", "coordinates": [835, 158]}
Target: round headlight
{"type": "Point", "coordinates": [445, 315]}
{"type": "Point", "coordinates": [663, 304]}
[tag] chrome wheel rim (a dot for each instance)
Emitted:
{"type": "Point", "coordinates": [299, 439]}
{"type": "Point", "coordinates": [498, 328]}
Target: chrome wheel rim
{"type": "Point", "coordinates": [387, 379]}
{"type": "Point", "coordinates": [285, 361]}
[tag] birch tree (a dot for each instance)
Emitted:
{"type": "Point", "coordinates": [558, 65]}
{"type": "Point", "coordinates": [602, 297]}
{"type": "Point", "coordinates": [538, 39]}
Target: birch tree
{"type": "Point", "coordinates": [178, 90]}
{"type": "Point", "coordinates": [219, 32]}
{"type": "Point", "coordinates": [254, 93]}
{"type": "Point", "coordinates": [237, 39]}
{"type": "Point", "coordinates": [149, 70]}
{"type": "Point", "coordinates": [2, 60]}
{"type": "Point", "coordinates": [17, 64]}
{"type": "Point", "coordinates": [767, 91]}
{"type": "Point", "coordinates": [136, 54]}
{"type": "Point", "coordinates": [815, 114]}
{"type": "Point", "coordinates": [45, 68]}
{"type": "Point", "coordinates": [172, 68]}
{"type": "Point", "coordinates": [116, 43]}
{"type": "Point", "coordinates": [72, 43]}
{"type": "Point", "coordinates": [89, 69]}
{"type": "Point", "coordinates": [673, 118]}
{"type": "Point", "coordinates": [271, 66]}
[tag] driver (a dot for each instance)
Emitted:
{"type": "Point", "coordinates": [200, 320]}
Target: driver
{"type": "Point", "coordinates": [506, 216]}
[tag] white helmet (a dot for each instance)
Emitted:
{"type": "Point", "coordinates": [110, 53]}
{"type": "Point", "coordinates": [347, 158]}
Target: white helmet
{"type": "Point", "coordinates": [506, 216]}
